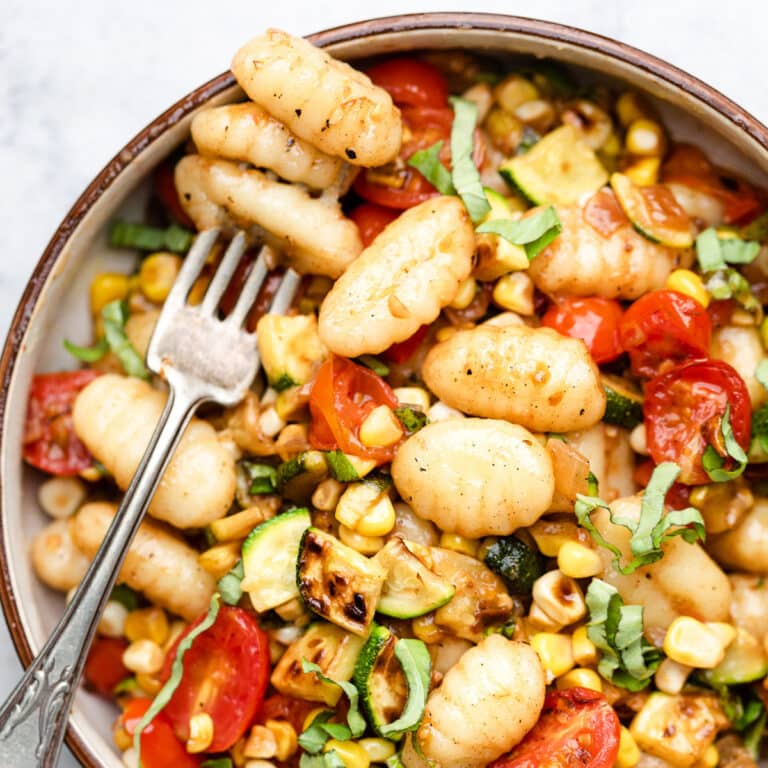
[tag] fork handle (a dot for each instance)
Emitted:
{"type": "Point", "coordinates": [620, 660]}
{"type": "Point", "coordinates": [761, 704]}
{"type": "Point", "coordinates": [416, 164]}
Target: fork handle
{"type": "Point", "coordinates": [34, 718]}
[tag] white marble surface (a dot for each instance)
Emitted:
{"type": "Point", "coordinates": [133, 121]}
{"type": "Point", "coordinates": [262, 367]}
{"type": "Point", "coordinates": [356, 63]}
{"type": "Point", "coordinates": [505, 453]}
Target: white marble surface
{"type": "Point", "coordinates": [78, 79]}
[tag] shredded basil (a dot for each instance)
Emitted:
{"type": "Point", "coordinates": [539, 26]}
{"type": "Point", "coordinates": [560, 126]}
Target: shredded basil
{"type": "Point", "coordinates": [230, 584]}
{"type": "Point", "coordinates": [593, 486]}
{"type": "Point", "coordinates": [713, 462]}
{"type": "Point", "coordinates": [653, 527]}
{"type": "Point", "coordinates": [328, 759]}
{"type": "Point", "coordinates": [465, 176]}
{"type": "Point", "coordinates": [320, 730]}
{"type": "Point", "coordinates": [369, 361]}
{"type": "Point", "coordinates": [341, 468]}
{"type": "Point", "coordinates": [757, 229]}
{"type": "Point", "coordinates": [761, 372]}
{"type": "Point", "coordinates": [282, 382]}
{"type": "Point", "coordinates": [534, 232]}
{"type": "Point", "coordinates": [714, 253]}
{"type": "Point", "coordinates": [427, 163]}
{"type": "Point", "coordinates": [355, 720]}
{"type": "Point", "coordinates": [411, 418]}
{"type": "Point", "coordinates": [126, 685]}
{"type": "Point", "coordinates": [126, 596]}
{"type": "Point", "coordinates": [396, 761]}
{"type": "Point", "coordinates": [263, 478]}
{"type": "Point", "coordinates": [760, 426]}
{"type": "Point", "coordinates": [753, 734]}
{"type": "Point", "coordinates": [217, 762]}
{"type": "Point", "coordinates": [177, 670]}
{"type": "Point", "coordinates": [145, 238]}
{"type": "Point", "coordinates": [627, 659]}
{"type": "Point", "coordinates": [415, 660]}
{"type": "Point", "coordinates": [88, 354]}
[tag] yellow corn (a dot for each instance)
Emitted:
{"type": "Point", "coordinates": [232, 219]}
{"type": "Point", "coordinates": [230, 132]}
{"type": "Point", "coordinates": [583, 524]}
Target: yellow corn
{"type": "Point", "coordinates": [106, 287]}
{"type": "Point", "coordinates": [693, 643]}
{"type": "Point", "coordinates": [285, 738]}
{"type": "Point", "coordinates": [157, 274]}
{"type": "Point", "coordinates": [644, 171]}
{"type": "Point", "coordinates": [148, 683]}
{"type": "Point", "coordinates": [415, 396]}
{"type": "Point", "coordinates": [726, 632]}
{"type": "Point", "coordinates": [291, 405]}
{"type": "Point", "coordinates": [646, 138]}
{"type": "Point", "coordinates": [710, 759]}
{"type": "Point", "coordinates": [560, 597]}
{"type": "Point", "coordinates": [361, 466]}
{"type": "Point", "coordinates": [350, 753]}
{"type": "Point", "coordinates": [581, 677]}
{"type": "Point", "coordinates": [61, 497]}
{"type": "Point", "coordinates": [261, 742]}
{"type": "Point", "coordinates": [458, 543]}
{"type": "Point", "coordinates": [327, 494]}
{"type": "Point", "coordinates": [515, 293]}
{"type": "Point", "coordinates": [310, 718]}
{"type": "Point", "coordinates": [630, 107]}
{"type": "Point", "coordinates": [537, 113]}
{"type": "Point", "coordinates": [238, 526]}
{"type": "Point", "coordinates": [465, 294]}
{"type": "Point", "coordinates": [147, 624]}
{"type": "Point", "coordinates": [513, 91]}
{"type": "Point", "coordinates": [541, 621]}
{"type": "Point", "coordinates": [220, 559]}
{"type": "Point", "coordinates": [689, 283]}
{"type": "Point", "coordinates": [549, 538]}
{"type": "Point", "coordinates": [578, 561]}
{"type": "Point", "coordinates": [112, 622]}
{"type": "Point", "coordinates": [448, 332]}
{"type": "Point", "coordinates": [504, 129]}
{"type": "Point", "coordinates": [123, 740]}
{"type": "Point", "coordinates": [612, 146]}
{"type": "Point", "coordinates": [378, 750]}
{"type": "Point", "coordinates": [380, 428]}
{"type": "Point", "coordinates": [426, 630]}
{"type": "Point", "coordinates": [629, 753]}
{"type": "Point", "coordinates": [200, 733]}
{"type": "Point", "coordinates": [583, 649]}
{"type": "Point", "coordinates": [144, 656]}
{"type": "Point", "coordinates": [366, 545]}
{"type": "Point", "coordinates": [555, 653]}
{"type": "Point", "coordinates": [366, 509]}
{"type": "Point", "coordinates": [670, 677]}
{"type": "Point", "coordinates": [175, 630]}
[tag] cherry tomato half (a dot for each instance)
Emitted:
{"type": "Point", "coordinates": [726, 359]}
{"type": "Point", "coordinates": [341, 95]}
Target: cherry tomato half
{"type": "Point", "coordinates": [577, 727]}
{"type": "Point", "coordinates": [678, 496]}
{"type": "Point", "coordinates": [593, 320]}
{"type": "Point", "coordinates": [403, 351]}
{"type": "Point", "coordinates": [683, 409]}
{"type": "Point", "coordinates": [343, 394]}
{"type": "Point", "coordinates": [371, 220]}
{"type": "Point", "coordinates": [159, 746]}
{"type": "Point", "coordinates": [280, 706]}
{"type": "Point", "coordinates": [411, 82]}
{"type": "Point", "coordinates": [104, 667]}
{"type": "Point", "coordinates": [50, 442]}
{"type": "Point", "coordinates": [225, 674]}
{"type": "Point", "coordinates": [167, 194]}
{"type": "Point", "coordinates": [662, 328]}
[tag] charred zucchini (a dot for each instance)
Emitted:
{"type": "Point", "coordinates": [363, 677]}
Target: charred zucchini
{"type": "Point", "coordinates": [515, 562]}
{"type": "Point", "coordinates": [745, 661]}
{"type": "Point", "coordinates": [623, 405]}
{"type": "Point", "coordinates": [299, 476]}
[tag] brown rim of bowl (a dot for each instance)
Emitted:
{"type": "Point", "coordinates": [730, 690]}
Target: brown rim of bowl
{"type": "Point", "coordinates": [493, 22]}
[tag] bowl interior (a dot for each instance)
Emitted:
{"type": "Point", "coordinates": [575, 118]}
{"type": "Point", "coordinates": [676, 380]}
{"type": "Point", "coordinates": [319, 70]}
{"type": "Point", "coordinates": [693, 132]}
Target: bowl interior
{"type": "Point", "coordinates": [56, 306]}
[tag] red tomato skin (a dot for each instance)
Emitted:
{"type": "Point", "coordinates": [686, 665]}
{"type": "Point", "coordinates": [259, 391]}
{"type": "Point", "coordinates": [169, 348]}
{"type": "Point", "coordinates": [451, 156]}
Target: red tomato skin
{"type": "Point", "coordinates": [664, 328]}
{"type": "Point", "coordinates": [681, 405]}
{"type": "Point", "coordinates": [403, 351]}
{"type": "Point", "coordinates": [167, 194]}
{"type": "Point", "coordinates": [371, 220]}
{"type": "Point", "coordinates": [677, 496]}
{"type": "Point", "coordinates": [231, 660]}
{"type": "Point", "coordinates": [104, 667]}
{"type": "Point", "coordinates": [411, 82]}
{"type": "Point", "coordinates": [554, 740]}
{"type": "Point", "coordinates": [593, 320]}
{"type": "Point", "coordinates": [279, 706]}
{"type": "Point", "coordinates": [159, 746]}
{"type": "Point", "coordinates": [49, 441]}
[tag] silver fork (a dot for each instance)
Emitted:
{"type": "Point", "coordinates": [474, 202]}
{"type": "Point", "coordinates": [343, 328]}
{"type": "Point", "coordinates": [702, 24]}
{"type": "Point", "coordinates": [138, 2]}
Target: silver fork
{"type": "Point", "coordinates": [203, 359]}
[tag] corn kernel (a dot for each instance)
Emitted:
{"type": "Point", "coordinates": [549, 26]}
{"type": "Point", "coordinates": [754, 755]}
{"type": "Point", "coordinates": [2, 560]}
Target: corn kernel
{"type": "Point", "coordinates": [150, 684]}
{"type": "Point", "coordinates": [144, 656]}
{"type": "Point", "coordinates": [692, 643]}
{"type": "Point", "coordinates": [327, 494]}
{"type": "Point", "coordinates": [540, 621]}
{"type": "Point", "coordinates": [112, 621]}
{"type": "Point", "coordinates": [644, 171]}
{"type": "Point", "coordinates": [560, 597]}
{"type": "Point", "coordinates": [61, 497]}
{"type": "Point", "coordinates": [238, 526]}
{"type": "Point", "coordinates": [581, 677]}
{"type": "Point", "coordinates": [670, 677]}
{"type": "Point", "coordinates": [360, 465]}
{"type": "Point", "coordinates": [465, 293]}
{"type": "Point", "coordinates": [261, 742]}
{"type": "Point", "coordinates": [200, 733]}
{"type": "Point", "coordinates": [555, 653]}
{"type": "Point", "coordinates": [446, 333]}
{"type": "Point", "coordinates": [350, 753]}
{"type": "Point", "coordinates": [710, 758]}
{"type": "Point", "coordinates": [689, 283]}
{"type": "Point", "coordinates": [285, 738]}
{"type": "Point", "coordinates": [513, 91]}
{"type": "Point", "coordinates": [174, 632]}
{"type": "Point", "coordinates": [549, 538]}
{"type": "Point", "coordinates": [366, 509]}
{"type": "Point", "coordinates": [270, 422]}
{"type": "Point", "coordinates": [646, 138]}
{"type": "Point", "coordinates": [458, 543]}
{"type": "Point", "coordinates": [310, 718]}
{"type": "Point", "coordinates": [378, 750]}
{"type": "Point", "coordinates": [413, 396]}
{"type": "Point", "coordinates": [638, 440]}
{"type": "Point", "coordinates": [583, 649]}
{"type": "Point", "coordinates": [630, 107]}
{"type": "Point", "coordinates": [539, 114]}
{"type": "Point", "coordinates": [130, 758]}
{"type": "Point", "coordinates": [426, 630]}
{"type": "Point", "coordinates": [578, 561]}
{"type": "Point", "coordinates": [380, 428]}
{"type": "Point", "coordinates": [726, 632]}
{"type": "Point", "coordinates": [365, 545]}
{"type": "Point", "coordinates": [157, 275]}
{"type": "Point", "coordinates": [147, 624]}
{"type": "Point", "coordinates": [612, 146]}
{"type": "Point", "coordinates": [515, 293]}
{"type": "Point", "coordinates": [504, 130]}
{"type": "Point", "coordinates": [379, 521]}
{"type": "Point", "coordinates": [123, 740]}
{"type": "Point", "coordinates": [218, 560]}
{"type": "Point", "coordinates": [629, 753]}
{"type": "Point", "coordinates": [107, 287]}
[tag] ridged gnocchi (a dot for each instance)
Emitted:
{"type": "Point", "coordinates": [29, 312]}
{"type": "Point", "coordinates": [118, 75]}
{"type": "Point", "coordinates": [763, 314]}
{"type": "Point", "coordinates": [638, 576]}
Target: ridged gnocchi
{"type": "Point", "coordinates": [475, 477]}
{"type": "Point", "coordinates": [745, 547]}
{"type": "Point", "coordinates": [533, 377]}
{"type": "Point", "coordinates": [401, 281]}
{"type": "Point", "coordinates": [740, 346]}
{"type": "Point", "coordinates": [115, 417]}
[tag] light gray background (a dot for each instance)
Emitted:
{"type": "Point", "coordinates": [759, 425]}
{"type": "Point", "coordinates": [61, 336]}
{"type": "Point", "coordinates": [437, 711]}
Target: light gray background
{"type": "Point", "coordinates": [79, 79]}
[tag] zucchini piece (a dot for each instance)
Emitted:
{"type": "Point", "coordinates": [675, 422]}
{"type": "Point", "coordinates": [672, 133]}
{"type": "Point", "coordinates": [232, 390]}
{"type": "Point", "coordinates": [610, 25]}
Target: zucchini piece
{"type": "Point", "coordinates": [332, 649]}
{"type": "Point", "coordinates": [337, 582]}
{"type": "Point", "coordinates": [298, 477]}
{"type": "Point", "coordinates": [290, 349]}
{"type": "Point", "coordinates": [623, 405]}
{"type": "Point", "coordinates": [495, 255]}
{"type": "Point", "coordinates": [645, 219]}
{"type": "Point", "coordinates": [559, 169]}
{"type": "Point", "coordinates": [269, 559]}
{"type": "Point", "coordinates": [744, 661]}
{"type": "Point", "coordinates": [515, 562]}
{"type": "Point", "coordinates": [410, 588]}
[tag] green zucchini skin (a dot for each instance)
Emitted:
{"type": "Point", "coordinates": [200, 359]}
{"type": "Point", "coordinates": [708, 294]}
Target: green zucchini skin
{"type": "Point", "coordinates": [515, 562]}
{"type": "Point", "coordinates": [623, 406]}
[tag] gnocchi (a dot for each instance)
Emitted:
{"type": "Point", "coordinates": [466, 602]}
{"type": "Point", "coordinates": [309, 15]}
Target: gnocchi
{"type": "Point", "coordinates": [745, 546]}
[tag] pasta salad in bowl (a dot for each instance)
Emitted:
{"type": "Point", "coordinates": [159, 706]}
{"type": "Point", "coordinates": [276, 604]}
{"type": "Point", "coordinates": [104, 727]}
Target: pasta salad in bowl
{"type": "Point", "coordinates": [498, 497]}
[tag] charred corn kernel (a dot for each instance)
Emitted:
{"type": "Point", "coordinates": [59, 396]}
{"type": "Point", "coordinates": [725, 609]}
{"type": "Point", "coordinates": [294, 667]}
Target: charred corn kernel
{"type": "Point", "coordinates": [261, 742]}
{"type": "Point", "coordinates": [583, 649]}
{"type": "Point", "coordinates": [689, 283]}
{"type": "Point", "coordinates": [380, 428]}
{"type": "Point", "coordinates": [638, 440]}
{"type": "Point", "coordinates": [365, 545]}
{"type": "Point", "coordinates": [366, 509]}
{"type": "Point", "coordinates": [414, 396]}
{"type": "Point", "coordinates": [310, 718]}
{"type": "Point", "coordinates": [378, 750]}
{"type": "Point", "coordinates": [200, 733]}
{"type": "Point", "coordinates": [148, 683]}
{"type": "Point", "coordinates": [670, 677]}
{"type": "Point", "coordinates": [61, 497]}
{"type": "Point", "coordinates": [540, 621]}
{"type": "Point", "coordinates": [426, 630]}
{"type": "Point", "coordinates": [446, 333]}
{"type": "Point", "coordinates": [270, 423]}
{"type": "Point", "coordinates": [538, 113]}
{"type": "Point", "coordinates": [112, 621]}
{"type": "Point", "coordinates": [198, 289]}
{"type": "Point", "coordinates": [439, 411]}
{"type": "Point", "coordinates": [513, 91]}
{"type": "Point", "coordinates": [645, 137]}
{"type": "Point", "coordinates": [327, 494]}
{"type": "Point", "coordinates": [560, 597]}
{"type": "Point", "coordinates": [504, 129]}
{"type": "Point", "coordinates": [631, 106]}
{"type": "Point", "coordinates": [726, 632]}
{"type": "Point", "coordinates": [144, 656]}
{"type": "Point", "coordinates": [220, 559]}
{"type": "Point", "coordinates": [123, 740]}
{"type": "Point", "coordinates": [710, 758]}
{"type": "Point", "coordinates": [515, 293]}
{"type": "Point", "coordinates": [350, 753]}
{"type": "Point", "coordinates": [578, 561]}
{"type": "Point", "coordinates": [157, 275]}
{"type": "Point", "coordinates": [107, 287]}
{"type": "Point", "coordinates": [581, 677]}
{"type": "Point", "coordinates": [465, 294]}
{"type": "Point", "coordinates": [147, 624]}
{"type": "Point", "coordinates": [690, 642]}
{"type": "Point", "coordinates": [458, 544]}
{"type": "Point", "coordinates": [285, 738]}
{"type": "Point", "coordinates": [644, 171]}
{"type": "Point", "coordinates": [554, 651]}
{"type": "Point", "coordinates": [629, 753]}
{"type": "Point", "coordinates": [239, 525]}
